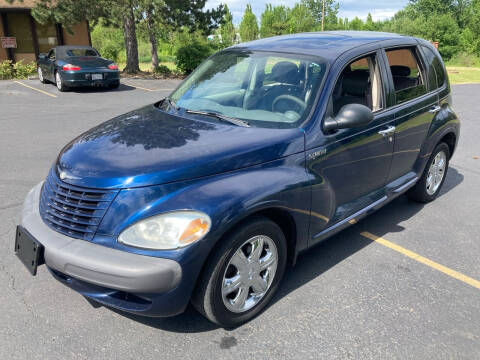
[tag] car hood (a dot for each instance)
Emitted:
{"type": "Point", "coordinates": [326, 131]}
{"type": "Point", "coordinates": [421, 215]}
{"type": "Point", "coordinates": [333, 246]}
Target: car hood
{"type": "Point", "coordinates": [149, 146]}
{"type": "Point", "coordinates": [86, 62]}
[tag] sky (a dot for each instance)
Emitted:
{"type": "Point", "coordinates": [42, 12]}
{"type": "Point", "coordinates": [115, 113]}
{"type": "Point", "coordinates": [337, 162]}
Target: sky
{"type": "Point", "coordinates": [380, 9]}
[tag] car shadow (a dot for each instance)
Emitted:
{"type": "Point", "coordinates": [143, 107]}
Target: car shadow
{"type": "Point", "coordinates": [100, 89]}
{"type": "Point", "coordinates": [316, 260]}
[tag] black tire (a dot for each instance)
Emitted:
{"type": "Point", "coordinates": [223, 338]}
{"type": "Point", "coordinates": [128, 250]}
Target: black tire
{"type": "Point", "coordinates": [207, 297]}
{"type": "Point", "coordinates": [419, 191]}
{"type": "Point", "coordinates": [59, 83]}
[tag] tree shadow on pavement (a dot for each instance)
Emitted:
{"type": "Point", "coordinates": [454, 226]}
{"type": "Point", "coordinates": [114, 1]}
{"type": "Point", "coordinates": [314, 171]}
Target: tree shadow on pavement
{"type": "Point", "coordinates": [317, 259]}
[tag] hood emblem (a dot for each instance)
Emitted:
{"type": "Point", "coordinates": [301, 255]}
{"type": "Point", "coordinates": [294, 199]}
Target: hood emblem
{"type": "Point", "coordinates": [64, 175]}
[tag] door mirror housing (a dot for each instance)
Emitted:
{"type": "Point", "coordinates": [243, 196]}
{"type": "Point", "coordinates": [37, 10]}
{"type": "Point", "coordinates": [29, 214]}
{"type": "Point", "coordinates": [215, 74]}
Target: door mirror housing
{"type": "Point", "coordinates": [42, 56]}
{"type": "Point", "coordinates": [349, 116]}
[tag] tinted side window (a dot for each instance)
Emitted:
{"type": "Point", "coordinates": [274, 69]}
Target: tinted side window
{"type": "Point", "coordinates": [432, 75]}
{"type": "Point", "coordinates": [408, 77]}
{"type": "Point", "coordinates": [435, 63]}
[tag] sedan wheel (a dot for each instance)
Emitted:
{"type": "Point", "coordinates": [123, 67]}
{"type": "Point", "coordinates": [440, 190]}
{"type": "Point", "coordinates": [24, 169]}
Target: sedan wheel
{"type": "Point", "coordinates": [436, 172]}
{"type": "Point", "coordinates": [242, 275]}
{"type": "Point", "coordinates": [429, 185]}
{"type": "Point", "coordinates": [40, 75]}
{"type": "Point", "coordinates": [60, 85]}
{"type": "Point", "coordinates": [249, 274]}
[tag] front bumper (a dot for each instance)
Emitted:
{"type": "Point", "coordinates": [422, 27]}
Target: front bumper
{"type": "Point", "coordinates": [98, 265]}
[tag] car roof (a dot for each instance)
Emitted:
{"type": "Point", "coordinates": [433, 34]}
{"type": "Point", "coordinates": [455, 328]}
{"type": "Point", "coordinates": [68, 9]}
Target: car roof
{"type": "Point", "coordinates": [328, 44]}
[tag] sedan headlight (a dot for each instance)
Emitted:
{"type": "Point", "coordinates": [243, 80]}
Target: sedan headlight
{"type": "Point", "coordinates": [167, 231]}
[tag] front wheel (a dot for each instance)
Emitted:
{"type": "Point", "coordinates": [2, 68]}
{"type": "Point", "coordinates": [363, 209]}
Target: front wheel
{"type": "Point", "coordinates": [243, 274]}
{"type": "Point", "coordinates": [431, 182]}
{"type": "Point", "coordinates": [40, 75]}
{"type": "Point", "coordinates": [59, 82]}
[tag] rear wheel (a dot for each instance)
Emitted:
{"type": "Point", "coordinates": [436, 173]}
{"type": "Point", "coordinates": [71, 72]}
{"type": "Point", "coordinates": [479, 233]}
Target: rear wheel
{"type": "Point", "coordinates": [243, 274]}
{"type": "Point", "coordinates": [431, 182]}
{"type": "Point", "coordinates": [59, 82]}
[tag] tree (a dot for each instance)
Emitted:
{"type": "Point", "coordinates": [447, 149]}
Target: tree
{"type": "Point", "coordinates": [249, 25]}
{"type": "Point", "coordinates": [227, 30]}
{"type": "Point", "coordinates": [171, 15]}
{"type": "Point", "coordinates": [369, 24]}
{"type": "Point", "coordinates": [356, 24]}
{"type": "Point", "coordinates": [274, 21]}
{"type": "Point", "coordinates": [317, 9]}
{"type": "Point", "coordinates": [300, 19]}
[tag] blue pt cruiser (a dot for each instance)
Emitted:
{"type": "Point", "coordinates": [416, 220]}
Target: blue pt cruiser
{"type": "Point", "coordinates": [265, 150]}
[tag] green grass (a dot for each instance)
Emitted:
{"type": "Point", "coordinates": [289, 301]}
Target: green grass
{"type": "Point", "coordinates": [147, 66]}
{"type": "Point", "coordinates": [463, 75]}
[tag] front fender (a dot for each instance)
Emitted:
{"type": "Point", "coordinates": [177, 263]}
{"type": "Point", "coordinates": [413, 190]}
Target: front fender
{"type": "Point", "coordinates": [227, 198]}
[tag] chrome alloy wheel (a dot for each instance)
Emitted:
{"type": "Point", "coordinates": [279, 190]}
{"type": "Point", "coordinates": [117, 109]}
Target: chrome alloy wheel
{"type": "Point", "coordinates": [249, 274]}
{"type": "Point", "coordinates": [40, 74]}
{"type": "Point", "coordinates": [58, 80]}
{"type": "Point", "coordinates": [436, 172]}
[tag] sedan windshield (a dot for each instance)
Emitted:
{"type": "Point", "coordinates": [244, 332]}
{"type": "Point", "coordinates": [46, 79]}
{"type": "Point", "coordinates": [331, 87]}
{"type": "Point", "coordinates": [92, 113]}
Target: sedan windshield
{"type": "Point", "coordinates": [262, 88]}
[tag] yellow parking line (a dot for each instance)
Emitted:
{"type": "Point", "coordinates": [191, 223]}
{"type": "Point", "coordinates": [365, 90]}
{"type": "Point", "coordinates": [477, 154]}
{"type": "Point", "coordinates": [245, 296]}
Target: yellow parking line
{"type": "Point", "coordinates": [455, 274]}
{"type": "Point", "coordinates": [33, 88]}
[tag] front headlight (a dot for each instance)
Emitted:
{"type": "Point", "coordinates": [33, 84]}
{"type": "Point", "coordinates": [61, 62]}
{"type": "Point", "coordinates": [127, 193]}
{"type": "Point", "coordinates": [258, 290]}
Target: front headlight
{"type": "Point", "coordinates": [167, 231]}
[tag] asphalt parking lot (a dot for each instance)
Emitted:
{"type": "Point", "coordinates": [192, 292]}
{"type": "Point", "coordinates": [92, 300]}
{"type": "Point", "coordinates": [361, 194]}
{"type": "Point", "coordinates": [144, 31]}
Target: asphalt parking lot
{"type": "Point", "coordinates": [403, 283]}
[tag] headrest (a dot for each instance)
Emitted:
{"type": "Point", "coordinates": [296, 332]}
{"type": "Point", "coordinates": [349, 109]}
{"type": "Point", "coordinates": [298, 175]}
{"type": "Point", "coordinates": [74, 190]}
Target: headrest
{"type": "Point", "coordinates": [400, 70]}
{"type": "Point", "coordinates": [356, 82]}
{"type": "Point", "coordinates": [286, 72]}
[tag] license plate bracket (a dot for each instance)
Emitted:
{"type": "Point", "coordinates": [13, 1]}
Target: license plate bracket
{"type": "Point", "coordinates": [28, 250]}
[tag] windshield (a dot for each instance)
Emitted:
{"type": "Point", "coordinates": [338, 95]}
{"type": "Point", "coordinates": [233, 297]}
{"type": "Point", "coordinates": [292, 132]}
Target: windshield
{"type": "Point", "coordinates": [263, 88]}
{"type": "Point", "coordinates": [82, 52]}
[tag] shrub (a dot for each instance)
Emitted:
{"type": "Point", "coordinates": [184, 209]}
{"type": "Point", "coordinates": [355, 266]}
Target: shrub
{"type": "Point", "coordinates": [19, 70]}
{"type": "Point", "coordinates": [23, 71]}
{"type": "Point", "coordinates": [189, 56]}
{"type": "Point", "coordinates": [109, 42]}
{"type": "Point", "coordinates": [6, 70]}
{"type": "Point", "coordinates": [162, 70]}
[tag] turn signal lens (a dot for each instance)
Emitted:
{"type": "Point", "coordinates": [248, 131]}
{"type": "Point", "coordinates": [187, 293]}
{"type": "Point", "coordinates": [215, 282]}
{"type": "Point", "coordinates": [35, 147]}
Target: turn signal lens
{"type": "Point", "coordinates": [70, 67]}
{"type": "Point", "coordinates": [167, 231]}
{"type": "Point", "coordinates": [113, 67]}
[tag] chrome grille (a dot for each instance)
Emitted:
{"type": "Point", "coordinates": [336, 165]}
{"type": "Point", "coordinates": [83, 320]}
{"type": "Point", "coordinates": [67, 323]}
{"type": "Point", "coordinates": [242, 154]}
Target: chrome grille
{"type": "Point", "coordinates": [72, 210]}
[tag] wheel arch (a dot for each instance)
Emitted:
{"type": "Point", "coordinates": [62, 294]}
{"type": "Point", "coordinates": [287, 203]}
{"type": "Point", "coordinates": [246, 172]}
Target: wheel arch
{"type": "Point", "coordinates": [451, 140]}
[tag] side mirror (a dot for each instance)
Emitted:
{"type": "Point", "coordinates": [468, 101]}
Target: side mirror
{"type": "Point", "coordinates": [349, 116]}
{"type": "Point", "coordinates": [42, 56]}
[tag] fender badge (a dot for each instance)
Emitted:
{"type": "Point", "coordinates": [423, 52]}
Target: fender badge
{"type": "Point", "coordinates": [316, 154]}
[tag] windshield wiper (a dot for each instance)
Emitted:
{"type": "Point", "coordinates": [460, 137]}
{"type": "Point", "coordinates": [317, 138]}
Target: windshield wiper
{"type": "Point", "coordinates": [171, 103]}
{"type": "Point", "coordinates": [218, 116]}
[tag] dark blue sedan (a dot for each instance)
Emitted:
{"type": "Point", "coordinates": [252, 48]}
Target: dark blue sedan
{"type": "Point", "coordinates": [265, 150]}
{"type": "Point", "coordinates": [74, 66]}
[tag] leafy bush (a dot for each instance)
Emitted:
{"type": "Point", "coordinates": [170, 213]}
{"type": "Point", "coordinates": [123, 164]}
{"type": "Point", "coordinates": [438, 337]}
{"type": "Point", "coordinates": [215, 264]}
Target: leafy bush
{"type": "Point", "coordinates": [189, 56]}
{"type": "Point", "coordinates": [6, 70]}
{"type": "Point", "coordinates": [109, 42]}
{"type": "Point", "coordinates": [19, 70]}
{"type": "Point", "coordinates": [23, 71]}
{"type": "Point", "coordinates": [162, 70]}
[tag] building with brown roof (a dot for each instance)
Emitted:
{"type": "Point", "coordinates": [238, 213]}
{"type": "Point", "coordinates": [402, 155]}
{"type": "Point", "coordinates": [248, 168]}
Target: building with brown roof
{"type": "Point", "coordinates": [24, 38]}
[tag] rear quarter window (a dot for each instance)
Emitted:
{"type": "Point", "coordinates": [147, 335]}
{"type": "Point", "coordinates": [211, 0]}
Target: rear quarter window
{"type": "Point", "coordinates": [436, 71]}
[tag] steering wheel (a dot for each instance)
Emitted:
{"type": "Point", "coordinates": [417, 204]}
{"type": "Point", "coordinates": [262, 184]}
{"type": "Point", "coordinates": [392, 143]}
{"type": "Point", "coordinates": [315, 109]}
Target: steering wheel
{"type": "Point", "coordinates": [295, 99]}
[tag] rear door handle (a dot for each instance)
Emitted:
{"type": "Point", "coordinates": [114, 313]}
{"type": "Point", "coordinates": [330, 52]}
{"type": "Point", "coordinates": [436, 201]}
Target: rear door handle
{"type": "Point", "coordinates": [435, 109]}
{"type": "Point", "coordinates": [388, 131]}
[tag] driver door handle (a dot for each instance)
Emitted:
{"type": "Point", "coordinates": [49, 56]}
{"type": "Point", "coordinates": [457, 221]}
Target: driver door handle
{"type": "Point", "coordinates": [390, 130]}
